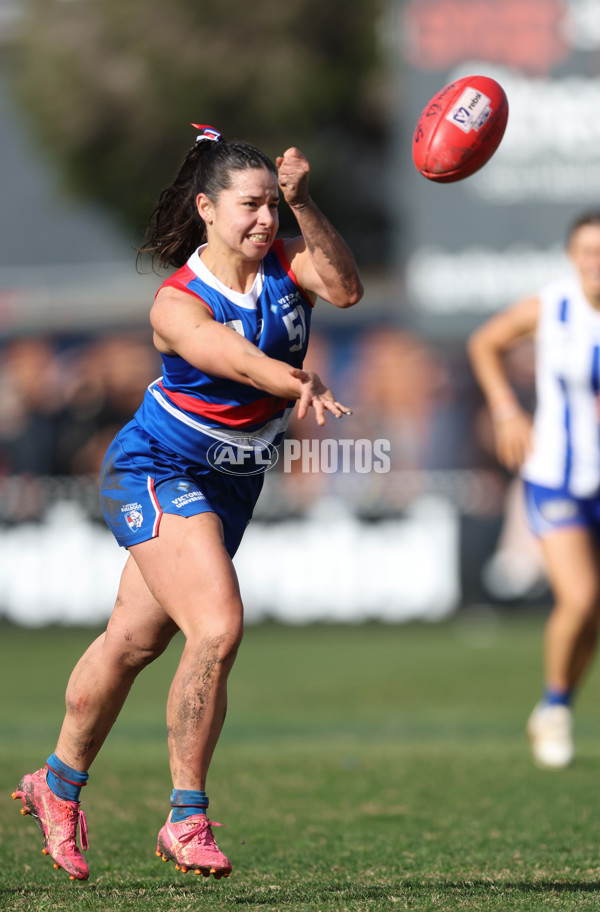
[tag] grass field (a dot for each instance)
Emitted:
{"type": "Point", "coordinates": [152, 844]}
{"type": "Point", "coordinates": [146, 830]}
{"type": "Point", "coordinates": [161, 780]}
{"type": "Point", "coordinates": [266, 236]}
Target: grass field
{"type": "Point", "coordinates": [361, 768]}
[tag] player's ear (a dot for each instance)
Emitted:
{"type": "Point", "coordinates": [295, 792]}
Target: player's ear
{"type": "Point", "coordinates": [205, 208]}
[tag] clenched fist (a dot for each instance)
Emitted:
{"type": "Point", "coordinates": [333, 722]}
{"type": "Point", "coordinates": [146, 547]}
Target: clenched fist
{"type": "Point", "coordinates": [293, 176]}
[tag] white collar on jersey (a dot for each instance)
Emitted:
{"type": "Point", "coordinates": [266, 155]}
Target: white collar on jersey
{"type": "Point", "coordinates": [247, 300]}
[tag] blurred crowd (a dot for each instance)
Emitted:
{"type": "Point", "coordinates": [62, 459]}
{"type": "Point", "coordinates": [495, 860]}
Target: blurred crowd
{"type": "Point", "coordinates": [421, 397]}
{"type": "Point", "coordinates": [62, 400]}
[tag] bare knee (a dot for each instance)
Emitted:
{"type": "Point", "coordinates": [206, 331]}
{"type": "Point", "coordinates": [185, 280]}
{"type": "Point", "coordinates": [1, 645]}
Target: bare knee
{"type": "Point", "coordinates": [215, 646]}
{"type": "Point", "coordinates": [134, 649]}
{"type": "Point", "coordinates": [582, 608]}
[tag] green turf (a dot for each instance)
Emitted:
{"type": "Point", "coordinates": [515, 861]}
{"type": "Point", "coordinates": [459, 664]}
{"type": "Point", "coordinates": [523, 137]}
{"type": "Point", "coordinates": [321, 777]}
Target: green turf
{"type": "Point", "coordinates": [361, 768]}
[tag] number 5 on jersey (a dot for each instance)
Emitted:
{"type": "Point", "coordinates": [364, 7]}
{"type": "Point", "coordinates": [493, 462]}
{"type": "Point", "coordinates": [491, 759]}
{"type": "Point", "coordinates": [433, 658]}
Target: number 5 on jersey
{"type": "Point", "coordinates": [295, 323]}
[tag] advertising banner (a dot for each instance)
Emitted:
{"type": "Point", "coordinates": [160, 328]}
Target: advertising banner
{"type": "Point", "coordinates": [471, 247]}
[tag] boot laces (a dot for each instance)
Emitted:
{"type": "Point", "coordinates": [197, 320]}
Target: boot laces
{"type": "Point", "coordinates": [202, 831]}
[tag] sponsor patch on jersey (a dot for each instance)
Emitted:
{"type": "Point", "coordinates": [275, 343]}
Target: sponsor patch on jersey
{"type": "Point", "coordinates": [289, 300]}
{"type": "Point", "coordinates": [558, 510]}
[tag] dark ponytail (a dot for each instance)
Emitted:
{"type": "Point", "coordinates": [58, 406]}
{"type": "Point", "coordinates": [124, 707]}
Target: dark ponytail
{"type": "Point", "coordinates": [175, 229]}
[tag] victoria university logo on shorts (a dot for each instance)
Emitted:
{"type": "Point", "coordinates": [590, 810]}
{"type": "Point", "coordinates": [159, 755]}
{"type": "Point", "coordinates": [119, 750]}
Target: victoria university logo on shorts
{"type": "Point", "coordinates": [252, 456]}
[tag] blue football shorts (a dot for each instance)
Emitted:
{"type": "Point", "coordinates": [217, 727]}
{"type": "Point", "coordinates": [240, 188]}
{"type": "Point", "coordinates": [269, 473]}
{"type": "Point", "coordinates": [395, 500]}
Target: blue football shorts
{"type": "Point", "coordinates": [549, 509]}
{"type": "Point", "coordinates": [139, 481]}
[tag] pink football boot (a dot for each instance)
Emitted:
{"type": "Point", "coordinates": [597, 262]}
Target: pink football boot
{"type": "Point", "coordinates": [58, 821]}
{"type": "Point", "coordinates": [191, 844]}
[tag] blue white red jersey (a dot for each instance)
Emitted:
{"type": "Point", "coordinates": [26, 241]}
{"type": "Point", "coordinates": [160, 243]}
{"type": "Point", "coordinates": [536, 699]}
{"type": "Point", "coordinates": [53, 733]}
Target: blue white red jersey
{"type": "Point", "coordinates": [566, 432]}
{"type": "Point", "coordinates": [188, 410]}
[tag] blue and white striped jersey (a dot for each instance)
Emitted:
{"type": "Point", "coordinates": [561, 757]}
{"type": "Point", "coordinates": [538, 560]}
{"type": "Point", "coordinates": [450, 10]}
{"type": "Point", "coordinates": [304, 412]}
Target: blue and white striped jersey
{"type": "Point", "coordinates": [566, 438]}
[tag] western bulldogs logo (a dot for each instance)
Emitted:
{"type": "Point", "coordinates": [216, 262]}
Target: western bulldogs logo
{"type": "Point", "coordinates": [134, 519]}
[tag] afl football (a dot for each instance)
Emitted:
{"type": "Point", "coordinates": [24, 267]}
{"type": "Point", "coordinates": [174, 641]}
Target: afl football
{"type": "Point", "coordinates": [460, 129]}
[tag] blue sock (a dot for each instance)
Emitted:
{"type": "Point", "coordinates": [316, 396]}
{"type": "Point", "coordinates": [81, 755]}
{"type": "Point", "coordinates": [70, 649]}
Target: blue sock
{"type": "Point", "coordinates": [557, 697]}
{"type": "Point", "coordinates": [64, 781]}
{"type": "Point", "coordinates": [186, 802]}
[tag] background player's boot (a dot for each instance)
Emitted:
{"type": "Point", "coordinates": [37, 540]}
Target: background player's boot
{"type": "Point", "coordinates": [550, 731]}
{"type": "Point", "coordinates": [58, 821]}
{"type": "Point", "coordinates": [190, 844]}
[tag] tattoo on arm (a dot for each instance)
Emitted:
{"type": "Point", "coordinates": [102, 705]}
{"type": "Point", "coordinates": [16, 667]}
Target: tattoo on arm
{"type": "Point", "coordinates": [327, 248]}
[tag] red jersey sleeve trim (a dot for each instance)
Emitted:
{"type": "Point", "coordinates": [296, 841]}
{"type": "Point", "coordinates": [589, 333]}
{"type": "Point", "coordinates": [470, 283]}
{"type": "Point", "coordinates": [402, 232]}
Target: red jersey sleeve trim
{"type": "Point", "coordinates": [180, 280]}
{"type": "Point", "coordinates": [279, 251]}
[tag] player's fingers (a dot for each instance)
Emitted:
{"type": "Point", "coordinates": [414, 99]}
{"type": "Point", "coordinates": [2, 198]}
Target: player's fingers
{"type": "Point", "coordinates": [294, 153]}
{"type": "Point", "coordinates": [319, 408]}
{"type": "Point", "coordinates": [343, 408]}
{"type": "Point", "coordinates": [518, 455]}
{"type": "Point", "coordinates": [336, 408]}
{"type": "Point", "coordinates": [504, 455]}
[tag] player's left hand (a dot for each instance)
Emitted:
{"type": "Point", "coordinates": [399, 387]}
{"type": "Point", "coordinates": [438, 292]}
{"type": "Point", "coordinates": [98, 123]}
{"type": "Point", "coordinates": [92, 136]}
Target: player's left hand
{"type": "Point", "coordinates": [315, 394]}
{"type": "Point", "coordinates": [293, 170]}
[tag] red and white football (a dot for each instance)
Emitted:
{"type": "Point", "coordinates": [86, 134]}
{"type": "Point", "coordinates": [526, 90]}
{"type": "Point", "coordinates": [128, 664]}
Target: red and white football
{"type": "Point", "coordinates": [460, 129]}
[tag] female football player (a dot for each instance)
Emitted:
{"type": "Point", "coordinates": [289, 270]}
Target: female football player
{"type": "Point", "coordinates": [180, 481]}
{"type": "Point", "coordinates": [558, 455]}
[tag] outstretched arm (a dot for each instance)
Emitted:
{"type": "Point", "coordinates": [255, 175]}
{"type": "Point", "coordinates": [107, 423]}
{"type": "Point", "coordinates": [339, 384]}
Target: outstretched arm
{"type": "Point", "coordinates": [320, 258]}
{"type": "Point", "coordinates": [183, 325]}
